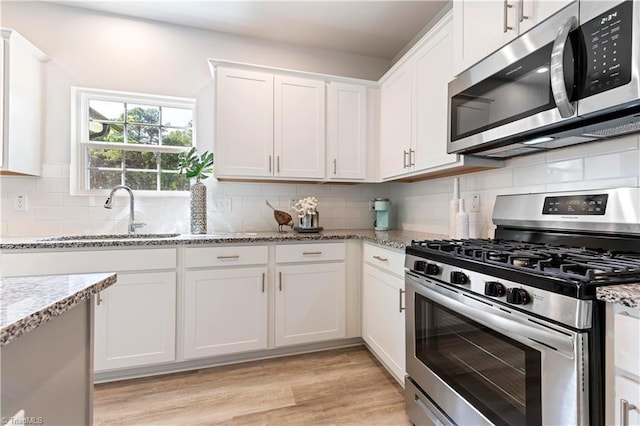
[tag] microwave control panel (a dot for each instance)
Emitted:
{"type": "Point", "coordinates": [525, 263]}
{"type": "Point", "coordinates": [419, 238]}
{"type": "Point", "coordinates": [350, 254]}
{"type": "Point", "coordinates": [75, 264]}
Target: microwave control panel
{"type": "Point", "coordinates": [576, 205]}
{"type": "Point", "coordinates": [608, 40]}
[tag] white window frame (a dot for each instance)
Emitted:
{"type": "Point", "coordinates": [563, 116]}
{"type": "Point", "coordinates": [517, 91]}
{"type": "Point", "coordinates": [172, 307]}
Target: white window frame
{"type": "Point", "coordinates": [80, 97]}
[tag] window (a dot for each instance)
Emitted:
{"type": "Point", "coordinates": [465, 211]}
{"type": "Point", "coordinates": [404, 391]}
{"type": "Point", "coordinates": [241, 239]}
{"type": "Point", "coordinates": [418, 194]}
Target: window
{"type": "Point", "coordinates": [130, 139]}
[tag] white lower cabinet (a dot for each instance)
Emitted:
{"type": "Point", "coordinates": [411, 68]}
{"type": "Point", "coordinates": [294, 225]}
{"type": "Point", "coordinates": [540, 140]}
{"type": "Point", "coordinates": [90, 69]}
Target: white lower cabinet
{"type": "Point", "coordinates": [625, 342]}
{"type": "Point", "coordinates": [135, 321]}
{"type": "Point", "coordinates": [310, 303]}
{"type": "Point", "coordinates": [226, 311]}
{"type": "Point", "coordinates": [383, 307]}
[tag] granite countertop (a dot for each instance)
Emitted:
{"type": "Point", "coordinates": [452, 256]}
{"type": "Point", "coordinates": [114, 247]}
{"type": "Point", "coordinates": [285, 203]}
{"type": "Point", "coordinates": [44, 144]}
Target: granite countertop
{"type": "Point", "coordinates": [624, 294]}
{"type": "Point", "coordinates": [29, 302]}
{"type": "Point", "coordinates": [394, 238]}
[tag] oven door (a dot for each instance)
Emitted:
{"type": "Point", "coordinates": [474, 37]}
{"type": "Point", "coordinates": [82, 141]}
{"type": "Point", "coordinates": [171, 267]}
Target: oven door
{"type": "Point", "coordinates": [472, 362]}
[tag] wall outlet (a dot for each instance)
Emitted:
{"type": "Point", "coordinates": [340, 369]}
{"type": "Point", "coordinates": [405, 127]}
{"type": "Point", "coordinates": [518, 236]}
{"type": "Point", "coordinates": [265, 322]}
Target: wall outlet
{"type": "Point", "coordinates": [475, 203]}
{"type": "Point", "coordinates": [221, 204]}
{"type": "Point", "coordinates": [292, 202]}
{"type": "Point", "coordinates": [20, 203]}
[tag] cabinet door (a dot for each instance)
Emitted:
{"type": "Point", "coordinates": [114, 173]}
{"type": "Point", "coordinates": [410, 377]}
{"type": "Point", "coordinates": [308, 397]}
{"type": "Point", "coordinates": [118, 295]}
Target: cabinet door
{"type": "Point", "coordinates": [395, 122]}
{"type": "Point", "coordinates": [244, 123]}
{"type": "Point", "coordinates": [225, 311]}
{"type": "Point", "coordinates": [481, 27]}
{"type": "Point", "coordinates": [434, 69]}
{"type": "Point", "coordinates": [299, 134]}
{"type": "Point", "coordinates": [347, 124]}
{"type": "Point", "coordinates": [383, 318]}
{"type": "Point", "coordinates": [534, 12]}
{"type": "Point", "coordinates": [135, 321]}
{"type": "Point", "coordinates": [310, 303]}
{"type": "Point", "coordinates": [629, 390]}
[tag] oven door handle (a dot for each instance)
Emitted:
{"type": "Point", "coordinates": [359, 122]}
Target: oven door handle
{"type": "Point", "coordinates": [558, 88]}
{"type": "Point", "coordinates": [517, 330]}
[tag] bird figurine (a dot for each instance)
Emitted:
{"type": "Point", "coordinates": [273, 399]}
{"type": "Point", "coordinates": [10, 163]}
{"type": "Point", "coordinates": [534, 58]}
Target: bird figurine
{"type": "Point", "coordinates": [283, 218]}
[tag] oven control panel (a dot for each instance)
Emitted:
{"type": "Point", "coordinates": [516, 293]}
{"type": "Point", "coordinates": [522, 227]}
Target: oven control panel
{"type": "Point", "coordinates": [608, 39]}
{"type": "Point", "coordinates": [581, 205]}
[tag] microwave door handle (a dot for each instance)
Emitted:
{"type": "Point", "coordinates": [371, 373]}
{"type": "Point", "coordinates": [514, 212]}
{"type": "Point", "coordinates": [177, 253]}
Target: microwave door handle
{"type": "Point", "coordinates": [558, 88]}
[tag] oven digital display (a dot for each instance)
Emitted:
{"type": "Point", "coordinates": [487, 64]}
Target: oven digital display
{"type": "Point", "coordinates": [585, 205]}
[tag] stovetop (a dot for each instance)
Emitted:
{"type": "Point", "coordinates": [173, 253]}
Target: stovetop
{"type": "Point", "coordinates": [573, 271]}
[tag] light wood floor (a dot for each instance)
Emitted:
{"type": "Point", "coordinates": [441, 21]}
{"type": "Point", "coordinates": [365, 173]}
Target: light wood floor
{"type": "Point", "coordinates": [337, 387]}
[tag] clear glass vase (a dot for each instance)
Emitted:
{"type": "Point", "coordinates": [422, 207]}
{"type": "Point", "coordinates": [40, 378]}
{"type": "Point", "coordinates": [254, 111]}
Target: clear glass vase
{"type": "Point", "coordinates": [310, 221]}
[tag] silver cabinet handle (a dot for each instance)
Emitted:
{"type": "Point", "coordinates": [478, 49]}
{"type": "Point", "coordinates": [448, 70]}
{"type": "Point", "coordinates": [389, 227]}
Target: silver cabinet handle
{"type": "Point", "coordinates": [270, 164]}
{"type": "Point", "coordinates": [401, 308]}
{"type": "Point", "coordinates": [558, 88]}
{"type": "Point", "coordinates": [522, 15]}
{"type": "Point", "coordinates": [278, 164]}
{"type": "Point", "coordinates": [234, 256]}
{"type": "Point", "coordinates": [335, 166]}
{"type": "Point", "coordinates": [308, 253]}
{"type": "Point", "coordinates": [382, 259]}
{"type": "Point", "coordinates": [99, 298]}
{"type": "Point", "coordinates": [280, 280]}
{"type": "Point", "coordinates": [505, 17]}
{"type": "Point", "coordinates": [263, 282]}
{"type": "Point", "coordinates": [412, 157]}
{"type": "Point", "coordinates": [625, 407]}
{"type": "Point", "coordinates": [404, 159]}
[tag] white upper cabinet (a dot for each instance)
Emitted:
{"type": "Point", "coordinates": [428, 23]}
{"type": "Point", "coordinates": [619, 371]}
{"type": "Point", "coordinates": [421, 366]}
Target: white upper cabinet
{"type": "Point", "coordinates": [299, 127]}
{"type": "Point", "coordinates": [482, 27]}
{"type": "Point", "coordinates": [269, 126]}
{"type": "Point", "coordinates": [21, 95]}
{"type": "Point", "coordinates": [413, 113]}
{"type": "Point", "coordinates": [244, 123]}
{"type": "Point", "coordinates": [347, 131]}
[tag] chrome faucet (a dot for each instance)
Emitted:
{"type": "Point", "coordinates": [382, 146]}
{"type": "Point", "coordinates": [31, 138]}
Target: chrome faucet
{"type": "Point", "coordinates": [108, 204]}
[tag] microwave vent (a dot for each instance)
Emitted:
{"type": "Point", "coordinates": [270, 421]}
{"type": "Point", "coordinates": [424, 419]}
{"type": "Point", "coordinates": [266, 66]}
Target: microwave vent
{"type": "Point", "coordinates": [616, 130]}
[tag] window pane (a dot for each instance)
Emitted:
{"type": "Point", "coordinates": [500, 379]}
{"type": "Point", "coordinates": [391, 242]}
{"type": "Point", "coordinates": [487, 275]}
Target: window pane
{"type": "Point", "coordinates": [169, 161]}
{"type": "Point", "coordinates": [176, 117]}
{"type": "Point", "coordinates": [144, 114]}
{"type": "Point", "coordinates": [111, 158]}
{"type": "Point", "coordinates": [105, 110]}
{"type": "Point", "coordinates": [141, 180]}
{"type": "Point", "coordinates": [142, 134]}
{"type": "Point", "coordinates": [176, 137]}
{"type": "Point", "coordinates": [173, 182]}
{"type": "Point", "coordinates": [105, 132]}
{"type": "Point", "coordinates": [104, 179]}
{"type": "Point", "coordinates": [141, 160]}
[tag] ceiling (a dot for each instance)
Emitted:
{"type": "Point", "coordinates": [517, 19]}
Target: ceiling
{"type": "Point", "coordinates": [373, 28]}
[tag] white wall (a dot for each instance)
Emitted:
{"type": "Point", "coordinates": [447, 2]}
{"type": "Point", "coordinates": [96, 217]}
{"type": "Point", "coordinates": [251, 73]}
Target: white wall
{"type": "Point", "coordinates": [93, 49]}
{"type": "Point", "coordinates": [424, 206]}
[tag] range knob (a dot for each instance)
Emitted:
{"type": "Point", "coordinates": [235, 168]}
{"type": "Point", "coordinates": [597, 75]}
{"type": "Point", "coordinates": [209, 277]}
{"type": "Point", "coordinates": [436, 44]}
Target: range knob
{"type": "Point", "coordinates": [458, 277]}
{"type": "Point", "coordinates": [432, 269]}
{"type": "Point", "coordinates": [419, 265]}
{"type": "Point", "coordinates": [494, 288]}
{"type": "Point", "coordinates": [518, 296]}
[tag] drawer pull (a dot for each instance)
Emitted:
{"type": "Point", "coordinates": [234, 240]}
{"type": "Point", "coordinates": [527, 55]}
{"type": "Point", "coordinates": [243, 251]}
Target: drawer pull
{"type": "Point", "coordinates": [401, 308]}
{"type": "Point", "coordinates": [381, 259]}
{"type": "Point", "coordinates": [263, 282]}
{"type": "Point", "coordinates": [280, 280]}
{"type": "Point", "coordinates": [235, 256]}
{"type": "Point", "coordinates": [625, 407]}
{"type": "Point", "coordinates": [308, 253]}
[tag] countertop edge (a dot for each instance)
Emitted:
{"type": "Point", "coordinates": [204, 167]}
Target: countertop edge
{"type": "Point", "coordinates": [623, 294]}
{"type": "Point", "coordinates": [37, 318]}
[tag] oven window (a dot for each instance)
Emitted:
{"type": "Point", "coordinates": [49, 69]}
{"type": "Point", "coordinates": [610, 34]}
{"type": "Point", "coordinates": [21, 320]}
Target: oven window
{"type": "Point", "coordinates": [497, 375]}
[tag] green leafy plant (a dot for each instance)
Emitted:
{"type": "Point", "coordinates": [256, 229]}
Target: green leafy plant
{"type": "Point", "coordinates": [194, 165]}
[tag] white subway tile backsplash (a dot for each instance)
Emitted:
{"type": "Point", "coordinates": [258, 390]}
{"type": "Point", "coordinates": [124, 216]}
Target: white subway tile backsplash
{"type": "Point", "coordinates": [565, 171]}
{"type": "Point", "coordinates": [62, 213]}
{"type": "Point", "coordinates": [280, 189]}
{"type": "Point", "coordinates": [31, 228]}
{"type": "Point", "coordinates": [17, 184]}
{"type": "Point", "coordinates": [619, 164]}
{"type": "Point", "coordinates": [626, 143]}
{"type": "Point", "coordinates": [593, 184]}
{"type": "Point", "coordinates": [530, 175]}
{"type": "Point", "coordinates": [52, 185]}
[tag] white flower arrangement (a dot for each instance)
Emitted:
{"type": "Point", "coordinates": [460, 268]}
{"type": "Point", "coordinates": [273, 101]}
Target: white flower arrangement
{"type": "Point", "coordinates": [306, 206]}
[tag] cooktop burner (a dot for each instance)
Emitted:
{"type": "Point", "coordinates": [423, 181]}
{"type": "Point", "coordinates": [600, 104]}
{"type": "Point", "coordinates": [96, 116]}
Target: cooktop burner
{"type": "Point", "coordinates": [568, 263]}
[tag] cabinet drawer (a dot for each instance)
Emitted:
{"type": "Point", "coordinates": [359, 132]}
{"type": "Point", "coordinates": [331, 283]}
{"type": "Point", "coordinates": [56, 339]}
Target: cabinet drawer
{"type": "Point", "coordinates": [627, 353]}
{"type": "Point", "coordinates": [310, 252]}
{"type": "Point", "coordinates": [629, 390]}
{"type": "Point", "coordinates": [226, 256]}
{"type": "Point", "coordinates": [386, 259]}
{"type": "Point", "coordinates": [76, 262]}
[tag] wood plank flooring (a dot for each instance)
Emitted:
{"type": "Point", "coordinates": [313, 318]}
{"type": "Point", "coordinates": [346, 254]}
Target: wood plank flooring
{"type": "Point", "coordinates": [338, 387]}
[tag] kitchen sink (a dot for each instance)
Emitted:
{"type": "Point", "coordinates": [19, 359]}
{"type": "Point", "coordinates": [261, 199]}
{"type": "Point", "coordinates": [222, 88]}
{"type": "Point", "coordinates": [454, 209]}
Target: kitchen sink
{"type": "Point", "coordinates": [108, 237]}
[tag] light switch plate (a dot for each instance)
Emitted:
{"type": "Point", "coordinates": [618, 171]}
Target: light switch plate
{"type": "Point", "coordinates": [20, 203]}
{"type": "Point", "coordinates": [221, 204]}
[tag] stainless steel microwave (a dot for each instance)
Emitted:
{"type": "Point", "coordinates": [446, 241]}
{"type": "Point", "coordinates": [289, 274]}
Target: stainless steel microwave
{"type": "Point", "coordinates": [573, 78]}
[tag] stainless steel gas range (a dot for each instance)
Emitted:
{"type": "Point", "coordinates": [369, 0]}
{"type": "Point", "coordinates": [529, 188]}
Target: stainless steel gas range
{"type": "Point", "coordinates": [507, 331]}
